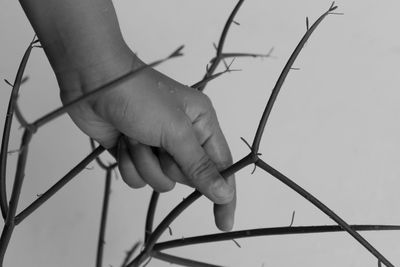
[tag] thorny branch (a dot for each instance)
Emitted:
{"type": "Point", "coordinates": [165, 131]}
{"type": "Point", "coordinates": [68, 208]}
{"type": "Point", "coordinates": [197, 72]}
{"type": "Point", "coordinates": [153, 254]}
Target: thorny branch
{"type": "Point", "coordinates": [253, 157]}
{"type": "Point", "coordinates": [151, 248]}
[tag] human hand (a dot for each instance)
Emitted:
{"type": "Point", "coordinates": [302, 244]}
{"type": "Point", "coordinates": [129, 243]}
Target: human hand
{"type": "Point", "coordinates": [153, 110]}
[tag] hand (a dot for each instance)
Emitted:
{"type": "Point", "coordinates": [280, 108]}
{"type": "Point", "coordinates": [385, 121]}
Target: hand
{"type": "Point", "coordinates": [153, 110]}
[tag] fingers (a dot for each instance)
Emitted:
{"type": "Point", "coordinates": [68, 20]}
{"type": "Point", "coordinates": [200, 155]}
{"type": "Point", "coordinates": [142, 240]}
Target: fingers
{"type": "Point", "coordinates": [180, 141]}
{"type": "Point", "coordinates": [170, 167]}
{"type": "Point", "coordinates": [148, 167]}
{"type": "Point", "coordinates": [224, 214]}
{"type": "Point", "coordinates": [125, 165]}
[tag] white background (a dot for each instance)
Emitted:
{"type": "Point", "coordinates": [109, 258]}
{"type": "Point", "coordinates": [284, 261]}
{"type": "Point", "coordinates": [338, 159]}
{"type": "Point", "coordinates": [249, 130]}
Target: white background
{"type": "Point", "coordinates": [335, 130]}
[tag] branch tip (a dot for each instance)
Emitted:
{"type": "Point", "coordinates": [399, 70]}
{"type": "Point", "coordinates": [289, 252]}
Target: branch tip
{"type": "Point", "coordinates": [177, 52]}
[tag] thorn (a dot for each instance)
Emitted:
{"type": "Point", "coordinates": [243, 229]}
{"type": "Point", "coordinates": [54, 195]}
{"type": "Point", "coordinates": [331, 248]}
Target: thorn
{"type": "Point", "coordinates": [7, 82]}
{"type": "Point", "coordinates": [248, 145]}
{"type": "Point", "coordinates": [235, 22]}
{"type": "Point", "coordinates": [89, 168]}
{"type": "Point", "coordinates": [237, 244]}
{"type": "Point", "coordinates": [170, 230]}
{"type": "Point", "coordinates": [230, 64]}
{"type": "Point", "coordinates": [254, 169]}
{"type": "Point", "coordinates": [37, 46]}
{"type": "Point", "coordinates": [39, 195]}
{"type": "Point", "coordinates": [292, 68]}
{"type": "Point", "coordinates": [223, 60]}
{"type": "Point", "coordinates": [291, 222]}
{"type": "Point", "coordinates": [307, 24]}
{"type": "Point", "coordinates": [24, 79]}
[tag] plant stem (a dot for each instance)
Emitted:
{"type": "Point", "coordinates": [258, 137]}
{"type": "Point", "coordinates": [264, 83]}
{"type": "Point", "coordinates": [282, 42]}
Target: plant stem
{"type": "Point", "coordinates": [282, 77]}
{"type": "Point", "coordinates": [180, 261]}
{"type": "Point", "coordinates": [103, 222]}
{"type": "Point", "coordinates": [284, 179]}
{"type": "Point", "coordinates": [54, 189]}
{"type": "Point", "coordinates": [288, 230]}
{"type": "Point", "coordinates": [7, 130]}
{"type": "Point", "coordinates": [221, 43]}
{"type": "Point", "coordinates": [150, 215]}
{"type": "Point", "coordinates": [16, 191]}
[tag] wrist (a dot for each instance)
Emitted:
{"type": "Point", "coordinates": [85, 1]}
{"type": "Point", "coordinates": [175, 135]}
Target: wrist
{"type": "Point", "coordinates": [92, 72]}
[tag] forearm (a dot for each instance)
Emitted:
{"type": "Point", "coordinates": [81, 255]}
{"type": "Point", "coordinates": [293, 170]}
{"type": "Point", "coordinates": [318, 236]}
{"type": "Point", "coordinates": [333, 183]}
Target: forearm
{"type": "Point", "coordinates": [77, 35]}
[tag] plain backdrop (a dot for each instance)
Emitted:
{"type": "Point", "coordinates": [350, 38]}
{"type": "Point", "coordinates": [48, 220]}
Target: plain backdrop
{"type": "Point", "coordinates": [334, 130]}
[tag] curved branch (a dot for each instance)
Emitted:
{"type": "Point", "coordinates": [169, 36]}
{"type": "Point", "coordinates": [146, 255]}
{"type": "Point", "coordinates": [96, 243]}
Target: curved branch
{"type": "Point", "coordinates": [322, 207]}
{"type": "Point", "coordinates": [282, 77]}
{"type": "Point", "coordinates": [249, 159]}
{"type": "Point", "coordinates": [7, 129]}
{"type": "Point", "coordinates": [288, 230]}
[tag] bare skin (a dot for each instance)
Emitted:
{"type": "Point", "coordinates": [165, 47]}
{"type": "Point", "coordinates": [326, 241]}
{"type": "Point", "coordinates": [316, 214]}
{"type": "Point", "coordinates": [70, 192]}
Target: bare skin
{"type": "Point", "coordinates": [84, 45]}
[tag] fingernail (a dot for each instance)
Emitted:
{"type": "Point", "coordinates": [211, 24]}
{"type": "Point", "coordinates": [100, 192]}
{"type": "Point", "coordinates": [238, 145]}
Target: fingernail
{"type": "Point", "coordinates": [222, 191]}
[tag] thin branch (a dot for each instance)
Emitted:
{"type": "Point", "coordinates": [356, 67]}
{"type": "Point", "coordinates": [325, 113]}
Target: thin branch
{"type": "Point", "coordinates": [54, 189]}
{"type": "Point", "coordinates": [150, 215]}
{"type": "Point", "coordinates": [7, 130]}
{"type": "Point", "coordinates": [108, 86]}
{"type": "Point", "coordinates": [322, 207]}
{"type": "Point", "coordinates": [215, 63]}
{"type": "Point", "coordinates": [180, 261]}
{"type": "Point", "coordinates": [287, 230]}
{"type": "Point", "coordinates": [98, 160]}
{"type": "Point", "coordinates": [103, 222]}
{"type": "Point", "coordinates": [16, 192]}
{"type": "Point", "coordinates": [206, 80]}
{"type": "Point", "coordinates": [230, 55]}
{"type": "Point", "coordinates": [282, 77]}
{"type": "Point", "coordinates": [249, 159]}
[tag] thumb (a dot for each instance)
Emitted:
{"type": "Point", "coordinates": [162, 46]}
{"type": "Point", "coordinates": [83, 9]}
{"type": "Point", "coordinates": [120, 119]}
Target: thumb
{"type": "Point", "coordinates": [181, 143]}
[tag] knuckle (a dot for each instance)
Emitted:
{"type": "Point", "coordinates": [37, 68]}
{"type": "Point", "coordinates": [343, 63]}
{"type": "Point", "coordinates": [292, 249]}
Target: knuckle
{"type": "Point", "coordinates": [201, 171]}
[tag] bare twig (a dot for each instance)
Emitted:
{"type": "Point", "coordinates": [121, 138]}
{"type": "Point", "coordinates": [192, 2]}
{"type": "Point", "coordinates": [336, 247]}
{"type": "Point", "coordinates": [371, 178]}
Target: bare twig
{"type": "Point", "coordinates": [150, 215]}
{"type": "Point", "coordinates": [282, 77]}
{"type": "Point", "coordinates": [181, 261]}
{"type": "Point", "coordinates": [54, 189]}
{"type": "Point", "coordinates": [103, 222]}
{"type": "Point", "coordinates": [16, 191]}
{"type": "Point", "coordinates": [215, 62]}
{"type": "Point", "coordinates": [322, 207]}
{"type": "Point", "coordinates": [287, 230]}
{"type": "Point", "coordinates": [7, 129]}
